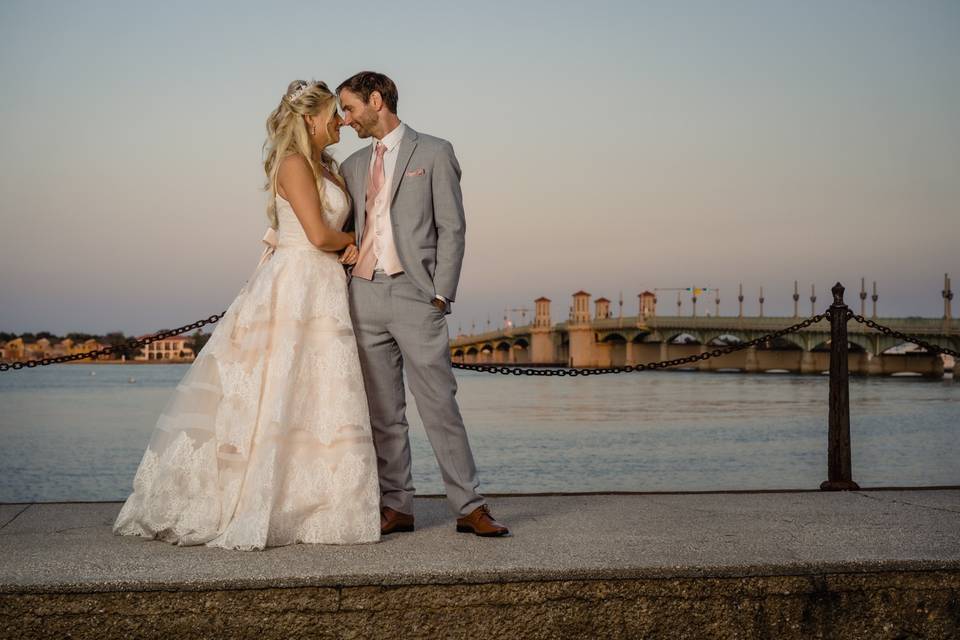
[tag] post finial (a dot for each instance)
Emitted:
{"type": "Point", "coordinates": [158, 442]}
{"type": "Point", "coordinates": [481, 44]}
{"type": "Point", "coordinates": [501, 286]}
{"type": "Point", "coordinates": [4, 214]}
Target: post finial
{"type": "Point", "coordinates": [837, 291]}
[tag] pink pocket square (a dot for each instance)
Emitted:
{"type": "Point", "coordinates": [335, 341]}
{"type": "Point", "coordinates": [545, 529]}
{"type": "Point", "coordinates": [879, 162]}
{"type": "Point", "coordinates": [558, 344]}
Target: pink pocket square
{"type": "Point", "coordinates": [415, 173]}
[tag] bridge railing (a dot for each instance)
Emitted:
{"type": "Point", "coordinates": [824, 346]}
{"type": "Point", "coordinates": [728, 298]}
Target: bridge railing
{"type": "Point", "coordinates": [839, 475]}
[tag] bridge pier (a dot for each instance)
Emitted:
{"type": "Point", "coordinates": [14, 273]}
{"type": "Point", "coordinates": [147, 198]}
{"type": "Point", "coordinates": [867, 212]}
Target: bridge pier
{"type": "Point", "coordinates": [709, 363]}
{"type": "Point", "coordinates": [581, 347]}
{"type": "Point", "coordinates": [873, 365]}
{"type": "Point", "coordinates": [541, 346]}
{"type": "Point", "coordinates": [751, 363]}
{"type": "Point", "coordinates": [858, 363]}
{"type": "Point", "coordinates": [930, 365]}
{"type": "Point", "coordinates": [808, 363]}
{"type": "Point", "coordinates": [644, 352]}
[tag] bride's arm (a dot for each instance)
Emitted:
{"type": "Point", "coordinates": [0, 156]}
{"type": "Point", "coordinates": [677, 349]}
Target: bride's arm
{"type": "Point", "coordinates": [300, 187]}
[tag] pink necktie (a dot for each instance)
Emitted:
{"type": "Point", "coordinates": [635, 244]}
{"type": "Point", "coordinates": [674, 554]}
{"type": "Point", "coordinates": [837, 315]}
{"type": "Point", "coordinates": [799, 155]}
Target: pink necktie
{"type": "Point", "coordinates": [368, 255]}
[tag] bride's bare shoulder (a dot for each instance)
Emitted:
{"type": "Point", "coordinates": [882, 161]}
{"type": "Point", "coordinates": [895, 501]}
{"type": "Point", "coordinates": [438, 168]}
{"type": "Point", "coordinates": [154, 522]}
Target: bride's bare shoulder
{"type": "Point", "coordinates": [294, 164]}
{"type": "Point", "coordinates": [295, 175]}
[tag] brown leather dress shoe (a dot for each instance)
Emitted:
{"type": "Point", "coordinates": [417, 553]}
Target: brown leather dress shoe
{"type": "Point", "coordinates": [392, 521]}
{"type": "Point", "coordinates": [481, 523]}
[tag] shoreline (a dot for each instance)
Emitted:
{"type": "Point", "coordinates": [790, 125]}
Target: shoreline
{"type": "Point", "coordinates": [948, 372]}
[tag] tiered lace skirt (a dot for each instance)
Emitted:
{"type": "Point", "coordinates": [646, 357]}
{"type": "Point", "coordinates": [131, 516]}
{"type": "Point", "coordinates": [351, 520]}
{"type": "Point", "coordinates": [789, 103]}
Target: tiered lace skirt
{"type": "Point", "coordinates": [266, 440]}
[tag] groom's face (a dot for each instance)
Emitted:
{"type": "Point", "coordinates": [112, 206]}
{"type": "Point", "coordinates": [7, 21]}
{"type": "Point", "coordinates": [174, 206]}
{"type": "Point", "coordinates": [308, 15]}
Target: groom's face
{"type": "Point", "coordinates": [358, 114]}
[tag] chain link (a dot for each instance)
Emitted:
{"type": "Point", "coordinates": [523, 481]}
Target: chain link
{"type": "Point", "coordinates": [902, 336]}
{"type": "Point", "coordinates": [131, 344]}
{"type": "Point", "coordinates": [650, 366]}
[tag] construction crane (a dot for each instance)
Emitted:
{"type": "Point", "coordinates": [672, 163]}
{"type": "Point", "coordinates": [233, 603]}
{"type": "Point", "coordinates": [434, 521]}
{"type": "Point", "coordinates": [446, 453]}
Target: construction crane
{"type": "Point", "coordinates": [695, 292]}
{"type": "Point", "coordinates": [507, 323]}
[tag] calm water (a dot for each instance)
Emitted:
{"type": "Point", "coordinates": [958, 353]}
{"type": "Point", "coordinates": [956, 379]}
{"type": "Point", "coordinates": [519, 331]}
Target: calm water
{"type": "Point", "coordinates": [70, 435]}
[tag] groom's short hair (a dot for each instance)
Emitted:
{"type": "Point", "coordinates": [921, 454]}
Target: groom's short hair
{"type": "Point", "coordinates": [366, 82]}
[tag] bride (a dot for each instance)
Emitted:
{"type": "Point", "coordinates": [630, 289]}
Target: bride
{"type": "Point", "coordinates": [266, 440]}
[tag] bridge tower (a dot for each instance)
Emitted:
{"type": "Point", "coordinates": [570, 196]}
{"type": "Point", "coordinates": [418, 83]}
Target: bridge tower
{"type": "Point", "coordinates": [541, 342]}
{"type": "Point", "coordinates": [648, 305]}
{"type": "Point", "coordinates": [580, 312]}
{"type": "Point", "coordinates": [603, 308]}
{"type": "Point", "coordinates": [580, 332]}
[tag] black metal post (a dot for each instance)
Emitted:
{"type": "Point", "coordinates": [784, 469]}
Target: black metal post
{"type": "Point", "coordinates": [838, 447]}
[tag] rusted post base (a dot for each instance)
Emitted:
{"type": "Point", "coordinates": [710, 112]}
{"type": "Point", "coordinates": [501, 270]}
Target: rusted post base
{"type": "Point", "coordinates": [839, 485]}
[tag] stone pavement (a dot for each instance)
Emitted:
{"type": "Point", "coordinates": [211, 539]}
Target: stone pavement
{"type": "Point", "coordinates": [68, 548]}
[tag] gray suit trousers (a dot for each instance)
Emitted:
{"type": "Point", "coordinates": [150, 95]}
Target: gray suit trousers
{"type": "Point", "coordinates": [397, 329]}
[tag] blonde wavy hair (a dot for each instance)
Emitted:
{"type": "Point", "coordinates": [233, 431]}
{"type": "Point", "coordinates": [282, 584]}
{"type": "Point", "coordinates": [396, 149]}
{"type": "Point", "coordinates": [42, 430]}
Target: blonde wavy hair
{"type": "Point", "coordinates": [287, 134]}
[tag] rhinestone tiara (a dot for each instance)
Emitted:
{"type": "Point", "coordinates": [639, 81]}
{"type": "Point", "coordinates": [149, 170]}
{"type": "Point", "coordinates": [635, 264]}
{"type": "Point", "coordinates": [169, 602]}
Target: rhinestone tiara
{"type": "Point", "coordinates": [299, 91]}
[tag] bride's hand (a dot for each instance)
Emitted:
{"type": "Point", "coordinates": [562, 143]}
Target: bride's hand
{"type": "Point", "coordinates": [350, 254]}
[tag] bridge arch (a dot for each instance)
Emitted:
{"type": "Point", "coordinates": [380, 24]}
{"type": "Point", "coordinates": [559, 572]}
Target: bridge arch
{"type": "Point", "coordinates": [854, 346]}
{"type": "Point", "coordinates": [913, 348]}
{"type": "Point", "coordinates": [520, 351]}
{"type": "Point", "coordinates": [722, 339]}
{"type": "Point", "coordinates": [501, 352]}
{"type": "Point", "coordinates": [784, 343]}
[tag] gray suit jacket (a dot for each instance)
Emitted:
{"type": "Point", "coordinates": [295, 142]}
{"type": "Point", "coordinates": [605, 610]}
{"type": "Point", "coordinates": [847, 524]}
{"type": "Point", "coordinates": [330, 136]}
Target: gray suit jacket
{"type": "Point", "coordinates": [426, 210]}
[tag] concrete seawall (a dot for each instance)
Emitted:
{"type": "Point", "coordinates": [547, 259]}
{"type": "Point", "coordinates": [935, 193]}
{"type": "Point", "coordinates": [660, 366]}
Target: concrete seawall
{"type": "Point", "coordinates": [867, 564]}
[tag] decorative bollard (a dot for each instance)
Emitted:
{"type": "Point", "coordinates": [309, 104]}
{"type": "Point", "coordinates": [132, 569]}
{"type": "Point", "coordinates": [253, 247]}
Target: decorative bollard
{"type": "Point", "coordinates": [838, 445]}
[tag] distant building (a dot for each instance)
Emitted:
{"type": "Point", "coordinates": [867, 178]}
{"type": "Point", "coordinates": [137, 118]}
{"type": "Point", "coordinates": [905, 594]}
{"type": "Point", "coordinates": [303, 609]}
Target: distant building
{"type": "Point", "coordinates": [39, 349]}
{"type": "Point", "coordinates": [17, 350]}
{"type": "Point", "coordinates": [13, 350]}
{"type": "Point", "coordinates": [68, 347]}
{"type": "Point", "coordinates": [174, 348]}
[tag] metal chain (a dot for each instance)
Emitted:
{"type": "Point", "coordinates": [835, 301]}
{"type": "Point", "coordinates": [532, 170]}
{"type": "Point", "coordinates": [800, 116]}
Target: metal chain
{"type": "Point", "coordinates": [902, 336]}
{"type": "Point", "coordinates": [663, 364]}
{"type": "Point", "coordinates": [132, 343]}
{"type": "Point", "coordinates": [514, 370]}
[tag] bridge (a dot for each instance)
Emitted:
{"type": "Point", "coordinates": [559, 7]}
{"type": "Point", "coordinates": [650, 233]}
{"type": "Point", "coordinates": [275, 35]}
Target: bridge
{"type": "Point", "coordinates": [588, 340]}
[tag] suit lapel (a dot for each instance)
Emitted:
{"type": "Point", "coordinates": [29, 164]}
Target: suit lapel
{"type": "Point", "coordinates": [363, 169]}
{"type": "Point", "coordinates": [407, 145]}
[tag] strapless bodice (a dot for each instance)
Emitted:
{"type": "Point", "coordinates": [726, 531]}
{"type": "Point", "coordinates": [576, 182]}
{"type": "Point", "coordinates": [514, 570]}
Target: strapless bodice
{"type": "Point", "coordinates": [290, 232]}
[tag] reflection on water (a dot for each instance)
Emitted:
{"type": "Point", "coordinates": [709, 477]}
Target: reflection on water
{"type": "Point", "coordinates": [70, 435]}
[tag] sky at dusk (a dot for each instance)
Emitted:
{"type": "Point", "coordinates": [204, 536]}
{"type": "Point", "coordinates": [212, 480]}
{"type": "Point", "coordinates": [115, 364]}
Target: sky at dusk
{"type": "Point", "coordinates": [608, 146]}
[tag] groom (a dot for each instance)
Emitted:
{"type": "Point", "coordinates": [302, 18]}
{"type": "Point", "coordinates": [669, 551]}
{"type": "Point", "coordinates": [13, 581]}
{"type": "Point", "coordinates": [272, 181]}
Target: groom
{"type": "Point", "coordinates": [409, 220]}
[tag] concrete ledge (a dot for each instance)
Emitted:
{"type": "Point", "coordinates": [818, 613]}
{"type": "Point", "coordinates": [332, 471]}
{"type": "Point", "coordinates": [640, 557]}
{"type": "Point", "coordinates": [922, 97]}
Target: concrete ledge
{"type": "Point", "coordinates": [885, 605]}
{"type": "Point", "coordinates": [785, 565]}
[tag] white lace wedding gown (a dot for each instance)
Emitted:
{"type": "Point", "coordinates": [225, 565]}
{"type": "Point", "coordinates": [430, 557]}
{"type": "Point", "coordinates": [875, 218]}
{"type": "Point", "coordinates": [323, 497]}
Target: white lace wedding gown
{"type": "Point", "coordinates": [266, 440]}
